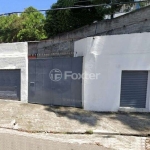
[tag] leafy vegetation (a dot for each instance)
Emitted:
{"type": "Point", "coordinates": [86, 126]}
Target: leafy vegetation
{"type": "Point", "coordinates": [28, 26]}
{"type": "Point", "coordinates": [32, 25]}
{"type": "Point", "coordinates": [59, 21]}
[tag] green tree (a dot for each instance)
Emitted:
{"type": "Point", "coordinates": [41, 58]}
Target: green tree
{"type": "Point", "coordinates": [32, 23]}
{"type": "Point", "coordinates": [59, 21]}
{"type": "Point", "coordinates": [84, 16]}
{"type": "Point", "coordinates": [9, 27]}
{"type": "Point", "coordinates": [25, 27]}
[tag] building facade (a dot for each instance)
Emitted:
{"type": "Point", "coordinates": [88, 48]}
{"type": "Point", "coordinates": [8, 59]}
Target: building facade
{"type": "Point", "coordinates": [123, 65]}
{"type": "Point", "coordinates": [14, 71]}
{"type": "Point", "coordinates": [115, 74]}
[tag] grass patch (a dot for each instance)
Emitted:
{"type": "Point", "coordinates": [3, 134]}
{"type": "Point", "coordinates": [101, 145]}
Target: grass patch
{"type": "Point", "coordinates": [89, 132]}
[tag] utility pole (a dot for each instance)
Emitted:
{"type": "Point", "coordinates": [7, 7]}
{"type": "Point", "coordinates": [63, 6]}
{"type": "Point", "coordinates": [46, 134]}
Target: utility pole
{"type": "Point", "coordinates": [112, 7]}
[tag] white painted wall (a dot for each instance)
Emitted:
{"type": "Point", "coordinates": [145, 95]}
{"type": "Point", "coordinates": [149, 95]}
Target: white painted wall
{"type": "Point", "coordinates": [15, 56]}
{"type": "Point", "coordinates": [109, 55]}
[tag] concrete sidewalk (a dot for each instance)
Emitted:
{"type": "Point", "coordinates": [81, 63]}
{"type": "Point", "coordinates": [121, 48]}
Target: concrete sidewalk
{"type": "Point", "coordinates": [32, 117]}
{"type": "Point", "coordinates": [48, 122]}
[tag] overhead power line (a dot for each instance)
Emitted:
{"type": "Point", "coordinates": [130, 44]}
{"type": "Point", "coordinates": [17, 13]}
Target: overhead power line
{"type": "Point", "coordinates": [76, 7]}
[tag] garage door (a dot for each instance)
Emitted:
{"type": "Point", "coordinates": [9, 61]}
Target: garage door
{"type": "Point", "coordinates": [44, 89]}
{"type": "Point", "coordinates": [134, 89]}
{"type": "Point", "coordinates": [10, 84]}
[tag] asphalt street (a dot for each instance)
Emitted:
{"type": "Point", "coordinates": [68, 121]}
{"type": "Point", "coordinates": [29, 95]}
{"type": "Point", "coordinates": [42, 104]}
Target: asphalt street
{"type": "Point", "coordinates": [10, 141]}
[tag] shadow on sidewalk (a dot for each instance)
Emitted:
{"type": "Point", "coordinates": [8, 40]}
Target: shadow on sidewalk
{"type": "Point", "coordinates": [84, 117]}
{"type": "Point", "coordinates": [135, 121]}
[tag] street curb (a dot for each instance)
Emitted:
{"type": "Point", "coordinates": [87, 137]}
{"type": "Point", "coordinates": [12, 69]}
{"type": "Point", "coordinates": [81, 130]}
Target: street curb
{"type": "Point", "coordinates": [88, 132]}
{"type": "Point", "coordinates": [122, 134]}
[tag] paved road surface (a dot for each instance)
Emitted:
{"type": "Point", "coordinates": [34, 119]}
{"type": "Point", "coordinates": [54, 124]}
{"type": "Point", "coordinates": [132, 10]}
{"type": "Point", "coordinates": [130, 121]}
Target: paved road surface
{"type": "Point", "coordinates": [21, 142]}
